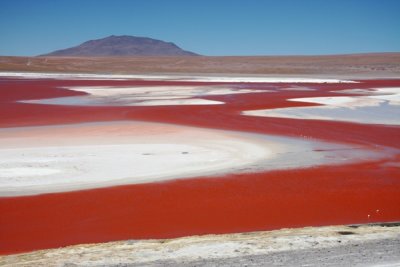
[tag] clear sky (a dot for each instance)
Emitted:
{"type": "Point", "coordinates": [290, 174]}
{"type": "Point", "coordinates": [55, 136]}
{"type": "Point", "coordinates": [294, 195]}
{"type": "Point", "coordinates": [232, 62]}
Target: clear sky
{"type": "Point", "coordinates": [208, 27]}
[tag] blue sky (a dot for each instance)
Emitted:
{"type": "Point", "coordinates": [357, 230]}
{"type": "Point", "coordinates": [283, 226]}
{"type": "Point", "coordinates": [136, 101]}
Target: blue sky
{"type": "Point", "coordinates": [208, 27]}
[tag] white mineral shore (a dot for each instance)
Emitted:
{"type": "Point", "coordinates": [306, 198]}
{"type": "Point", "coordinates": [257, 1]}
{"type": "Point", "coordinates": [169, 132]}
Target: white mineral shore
{"type": "Point", "coordinates": [62, 158]}
{"type": "Point", "coordinates": [144, 95]}
{"type": "Point", "coordinates": [71, 157]}
{"type": "Point", "coordinates": [373, 106]}
{"type": "Point", "coordinates": [368, 245]}
{"type": "Point", "coordinates": [185, 78]}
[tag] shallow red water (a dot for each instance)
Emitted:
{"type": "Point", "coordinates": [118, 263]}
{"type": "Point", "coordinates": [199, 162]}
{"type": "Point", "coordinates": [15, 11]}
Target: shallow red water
{"type": "Point", "coordinates": [325, 195]}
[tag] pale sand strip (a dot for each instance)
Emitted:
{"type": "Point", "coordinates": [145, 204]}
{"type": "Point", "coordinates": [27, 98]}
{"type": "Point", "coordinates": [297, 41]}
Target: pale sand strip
{"type": "Point", "coordinates": [71, 157]}
{"type": "Point", "coordinates": [369, 245]}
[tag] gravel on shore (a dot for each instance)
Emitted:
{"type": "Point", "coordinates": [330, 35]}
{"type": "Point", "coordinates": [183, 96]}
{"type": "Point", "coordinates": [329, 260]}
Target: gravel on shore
{"type": "Point", "coordinates": [354, 245]}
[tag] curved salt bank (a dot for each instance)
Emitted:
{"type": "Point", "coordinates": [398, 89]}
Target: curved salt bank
{"type": "Point", "coordinates": [376, 106]}
{"type": "Point", "coordinates": [143, 95]}
{"type": "Point", "coordinates": [48, 159]}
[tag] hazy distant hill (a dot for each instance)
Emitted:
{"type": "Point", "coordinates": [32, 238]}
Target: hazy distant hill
{"type": "Point", "coordinates": [123, 46]}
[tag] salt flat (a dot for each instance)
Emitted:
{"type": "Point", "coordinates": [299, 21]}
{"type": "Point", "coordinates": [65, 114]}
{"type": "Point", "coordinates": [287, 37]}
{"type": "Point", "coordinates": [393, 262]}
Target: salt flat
{"type": "Point", "coordinates": [144, 95]}
{"type": "Point", "coordinates": [95, 155]}
{"type": "Point", "coordinates": [80, 156]}
{"type": "Point", "coordinates": [373, 106]}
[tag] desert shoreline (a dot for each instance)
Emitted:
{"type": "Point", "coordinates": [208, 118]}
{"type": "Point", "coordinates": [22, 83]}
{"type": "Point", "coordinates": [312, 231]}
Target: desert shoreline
{"type": "Point", "coordinates": [355, 245]}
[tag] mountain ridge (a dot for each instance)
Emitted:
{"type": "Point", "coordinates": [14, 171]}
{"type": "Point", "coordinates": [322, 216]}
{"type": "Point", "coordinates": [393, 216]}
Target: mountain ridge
{"type": "Point", "coordinates": [122, 45]}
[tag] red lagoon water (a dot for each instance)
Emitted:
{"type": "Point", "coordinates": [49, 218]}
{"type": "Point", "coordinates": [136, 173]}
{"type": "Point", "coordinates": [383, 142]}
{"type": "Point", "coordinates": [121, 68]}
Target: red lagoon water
{"type": "Point", "coordinates": [341, 194]}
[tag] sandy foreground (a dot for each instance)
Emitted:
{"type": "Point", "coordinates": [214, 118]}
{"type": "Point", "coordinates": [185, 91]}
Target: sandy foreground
{"type": "Point", "coordinates": [366, 245]}
{"type": "Point", "coordinates": [80, 156]}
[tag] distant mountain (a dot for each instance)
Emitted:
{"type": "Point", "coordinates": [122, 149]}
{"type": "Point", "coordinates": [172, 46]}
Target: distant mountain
{"type": "Point", "coordinates": [114, 46]}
